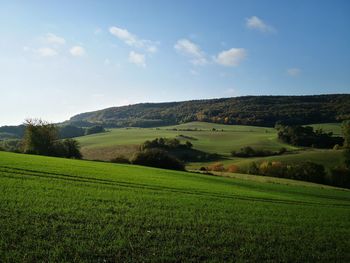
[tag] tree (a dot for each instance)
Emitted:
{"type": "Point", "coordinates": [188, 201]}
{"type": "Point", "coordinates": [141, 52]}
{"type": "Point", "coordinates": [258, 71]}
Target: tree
{"type": "Point", "coordinates": [42, 138]}
{"type": "Point", "coordinates": [39, 137]}
{"type": "Point", "coordinates": [94, 129]}
{"type": "Point", "coordinates": [72, 149]}
{"type": "Point", "coordinates": [157, 158]}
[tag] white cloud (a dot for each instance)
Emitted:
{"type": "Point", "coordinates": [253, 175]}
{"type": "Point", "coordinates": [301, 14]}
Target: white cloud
{"type": "Point", "coordinates": [132, 40]}
{"type": "Point", "coordinates": [137, 59]}
{"type": "Point", "coordinates": [256, 23]}
{"type": "Point", "coordinates": [293, 72]}
{"type": "Point", "coordinates": [190, 49]}
{"type": "Point", "coordinates": [53, 39]}
{"type": "Point", "coordinates": [77, 51]}
{"type": "Point", "coordinates": [46, 52]}
{"type": "Point", "coordinates": [231, 57]}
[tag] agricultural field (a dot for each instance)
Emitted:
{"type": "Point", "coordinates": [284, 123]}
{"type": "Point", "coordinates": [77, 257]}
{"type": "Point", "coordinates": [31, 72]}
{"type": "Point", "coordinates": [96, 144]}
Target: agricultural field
{"type": "Point", "coordinates": [55, 209]}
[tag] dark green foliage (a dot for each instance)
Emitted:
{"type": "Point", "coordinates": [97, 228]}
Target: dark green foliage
{"type": "Point", "coordinates": [188, 144]}
{"type": "Point", "coordinates": [157, 158]}
{"type": "Point", "coordinates": [183, 152]}
{"type": "Point", "coordinates": [248, 110]}
{"type": "Point", "coordinates": [70, 131]}
{"type": "Point", "coordinates": [94, 129]}
{"type": "Point", "coordinates": [251, 152]}
{"type": "Point", "coordinates": [340, 176]}
{"type": "Point", "coordinates": [68, 148]}
{"type": "Point", "coordinates": [42, 138]}
{"type": "Point", "coordinates": [166, 143]}
{"type": "Point", "coordinates": [306, 136]}
{"type": "Point", "coordinates": [120, 159]}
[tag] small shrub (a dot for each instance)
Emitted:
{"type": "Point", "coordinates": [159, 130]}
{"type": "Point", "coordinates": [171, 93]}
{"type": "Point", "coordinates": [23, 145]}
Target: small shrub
{"type": "Point", "coordinates": [248, 151]}
{"type": "Point", "coordinates": [120, 159]}
{"type": "Point", "coordinates": [157, 158]}
{"type": "Point", "coordinates": [188, 144]}
{"type": "Point", "coordinates": [94, 129]}
{"type": "Point", "coordinates": [253, 168]}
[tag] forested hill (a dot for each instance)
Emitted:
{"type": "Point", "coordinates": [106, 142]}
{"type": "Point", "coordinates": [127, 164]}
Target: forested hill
{"type": "Point", "coordinates": [247, 110]}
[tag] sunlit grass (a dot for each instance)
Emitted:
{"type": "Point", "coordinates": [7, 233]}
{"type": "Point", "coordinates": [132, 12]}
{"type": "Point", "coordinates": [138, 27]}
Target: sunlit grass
{"type": "Point", "coordinates": [66, 210]}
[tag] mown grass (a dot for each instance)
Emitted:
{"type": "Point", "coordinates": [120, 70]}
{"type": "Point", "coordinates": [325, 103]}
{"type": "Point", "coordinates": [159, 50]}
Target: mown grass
{"type": "Point", "coordinates": [61, 210]}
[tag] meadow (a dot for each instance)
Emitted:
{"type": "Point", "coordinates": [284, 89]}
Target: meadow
{"type": "Point", "coordinates": [55, 209]}
{"type": "Point", "coordinates": [222, 140]}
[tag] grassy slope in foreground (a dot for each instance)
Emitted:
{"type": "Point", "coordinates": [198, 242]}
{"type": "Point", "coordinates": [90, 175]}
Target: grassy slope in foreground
{"type": "Point", "coordinates": [67, 210]}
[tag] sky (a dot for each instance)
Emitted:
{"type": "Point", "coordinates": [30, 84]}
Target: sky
{"type": "Point", "coordinates": [61, 58]}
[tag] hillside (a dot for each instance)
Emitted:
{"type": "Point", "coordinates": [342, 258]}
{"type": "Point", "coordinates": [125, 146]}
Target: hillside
{"type": "Point", "coordinates": [222, 140]}
{"type": "Point", "coordinates": [102, 212]}
{"type": "Point", "coordinates": [248, 110]}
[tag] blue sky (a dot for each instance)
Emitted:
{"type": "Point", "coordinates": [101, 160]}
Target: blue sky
{"type": "Point", "coordinates": [61, 58]}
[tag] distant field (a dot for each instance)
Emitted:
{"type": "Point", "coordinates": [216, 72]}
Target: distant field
{"type": "Point", "coordinates": [226, 138]}
{"type": "Point", "coordinates": [63, 210]}
{"type": "Point", "coordinates": [222, 140]}
{"type": "Point", "coordinates": [329, 127]}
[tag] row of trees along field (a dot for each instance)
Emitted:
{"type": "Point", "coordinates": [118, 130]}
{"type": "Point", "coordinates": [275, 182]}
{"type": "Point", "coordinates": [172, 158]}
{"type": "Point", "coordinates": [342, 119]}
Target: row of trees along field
{"type": "Point", "coordinates": [308, 171]}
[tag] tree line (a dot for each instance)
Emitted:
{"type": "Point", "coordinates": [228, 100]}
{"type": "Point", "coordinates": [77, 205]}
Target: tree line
{"type": "Point", "coordinates": [247, 110]}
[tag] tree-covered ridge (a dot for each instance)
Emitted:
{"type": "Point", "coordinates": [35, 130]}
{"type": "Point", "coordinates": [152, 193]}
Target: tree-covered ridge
{"type": "Point", "coordinates": [247, 110]}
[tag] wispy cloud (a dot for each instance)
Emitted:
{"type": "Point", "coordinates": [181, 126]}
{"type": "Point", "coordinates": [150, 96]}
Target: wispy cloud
{"type": "Point", "coordinates": [77, 51]}
{"type": "Point", "coordinates": [193, 51]}
{"type": "Point", "coordinates": [137, 59]}
{"type": "Point", "coordinates": [46, 52]}
{"type": "Point", "coordinates": [257, 23]}
{"type": "Point", "coordinates": [133, 40]}
{"type": "Point", "coordinates": [293, 72]}
{"type": "Point", "coordinates": [54, 39]}
{"type": "Point", "coordinates": [231, 57]}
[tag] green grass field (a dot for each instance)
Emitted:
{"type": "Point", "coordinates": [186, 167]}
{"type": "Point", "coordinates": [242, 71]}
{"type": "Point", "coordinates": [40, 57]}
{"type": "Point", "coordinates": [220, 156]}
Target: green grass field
{"type": "Point", "coordinates": [62, 210]}
{"type": "Point", "coordinates": [329, 127]}
{"type": "Point", "coordinates": [105, 146]}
